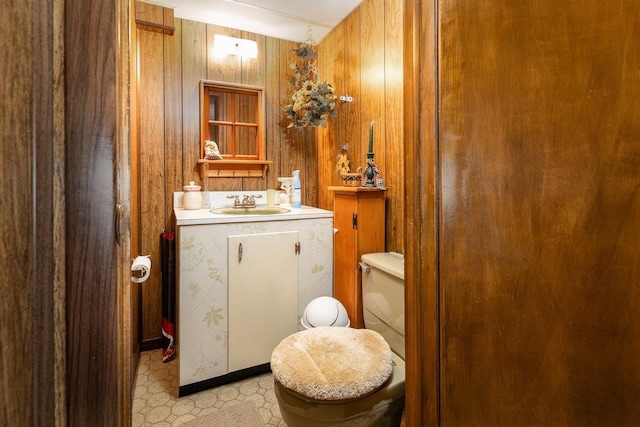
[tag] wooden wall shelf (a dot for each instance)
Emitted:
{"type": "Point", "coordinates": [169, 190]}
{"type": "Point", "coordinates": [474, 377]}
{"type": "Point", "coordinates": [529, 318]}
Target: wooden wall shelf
{"type": "Point", "coordinates": [233, 168]}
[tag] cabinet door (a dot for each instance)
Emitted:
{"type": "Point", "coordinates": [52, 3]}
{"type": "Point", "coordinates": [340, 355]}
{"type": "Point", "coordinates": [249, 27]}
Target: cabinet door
{"type": "Point", "coordinates": [263, 295]}
{"type": "Point", "coordinates": [345, 264]}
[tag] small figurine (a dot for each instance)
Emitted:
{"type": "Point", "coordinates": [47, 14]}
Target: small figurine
{"type": "Point", "coordinates": [211, 151]}
{"type": "Point", "coordinates": [342, 164]}
{"type": "Point", "coordinates": [372, 172]}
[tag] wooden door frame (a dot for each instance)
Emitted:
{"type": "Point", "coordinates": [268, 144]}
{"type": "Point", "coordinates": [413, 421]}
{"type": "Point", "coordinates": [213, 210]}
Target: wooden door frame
{"type": "Point", "coordinates": [421, 212]}
{"type": "Point", "coordinates": [125, 82]}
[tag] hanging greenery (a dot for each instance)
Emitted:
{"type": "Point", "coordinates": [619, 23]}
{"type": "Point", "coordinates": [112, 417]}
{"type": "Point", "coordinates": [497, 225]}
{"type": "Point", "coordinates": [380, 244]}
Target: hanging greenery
{"type": "Point", "coordinates": [312, 102]}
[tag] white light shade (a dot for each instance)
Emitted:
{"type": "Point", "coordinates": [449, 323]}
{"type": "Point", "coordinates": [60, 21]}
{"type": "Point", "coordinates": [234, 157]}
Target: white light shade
{"type": "Point", "coordinates": [225, 45]}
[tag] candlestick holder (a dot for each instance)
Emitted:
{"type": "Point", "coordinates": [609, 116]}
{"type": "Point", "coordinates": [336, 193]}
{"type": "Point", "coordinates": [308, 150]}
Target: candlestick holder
{"type": "Point", "coordinates": [369, 173]}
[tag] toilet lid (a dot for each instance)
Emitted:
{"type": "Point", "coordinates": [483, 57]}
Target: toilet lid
{"type": "Point", "coordinates": [330, 363]}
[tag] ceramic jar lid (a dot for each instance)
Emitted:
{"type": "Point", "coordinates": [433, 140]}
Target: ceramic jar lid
{"type": "Point", "coordinates": [191, 187]}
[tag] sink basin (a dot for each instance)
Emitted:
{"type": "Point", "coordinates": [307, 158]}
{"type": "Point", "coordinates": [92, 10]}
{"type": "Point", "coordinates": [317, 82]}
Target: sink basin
{"type": "Point", "coordinates": [260, 210]}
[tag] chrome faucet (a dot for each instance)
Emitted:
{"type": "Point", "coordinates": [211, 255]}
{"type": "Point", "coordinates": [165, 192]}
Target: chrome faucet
{"type": "Point", "coordinates": [248, 201]}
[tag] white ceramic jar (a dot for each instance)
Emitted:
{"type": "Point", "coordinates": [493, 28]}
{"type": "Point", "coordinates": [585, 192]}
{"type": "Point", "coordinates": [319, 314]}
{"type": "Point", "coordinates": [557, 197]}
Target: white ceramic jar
{"type": "Point", "coordinates": [192, 197]}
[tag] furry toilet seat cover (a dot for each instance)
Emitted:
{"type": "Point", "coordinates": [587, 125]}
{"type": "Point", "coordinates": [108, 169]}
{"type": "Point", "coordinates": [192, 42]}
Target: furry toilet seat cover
{"type": "Point", "coordinates": [332, 363]}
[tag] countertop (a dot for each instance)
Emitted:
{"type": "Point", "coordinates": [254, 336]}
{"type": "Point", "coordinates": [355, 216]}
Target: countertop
{"type": "Point", "coordinates": [219, 200]}
{"type": "Point", "coordinates": [203, 216]}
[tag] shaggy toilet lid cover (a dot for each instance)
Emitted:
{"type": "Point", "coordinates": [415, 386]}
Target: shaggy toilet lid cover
{"type": "Point", "coordinates": [332, 363]}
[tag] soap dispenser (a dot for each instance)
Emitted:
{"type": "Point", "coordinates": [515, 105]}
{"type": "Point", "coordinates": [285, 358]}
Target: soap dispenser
{"type": "Point", "coordinates": [296, 195]}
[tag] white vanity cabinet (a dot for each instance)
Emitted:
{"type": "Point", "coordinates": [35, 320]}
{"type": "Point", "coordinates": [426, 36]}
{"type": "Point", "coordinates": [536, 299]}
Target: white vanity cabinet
{"type": "Point", "coordinates": [235, 305]}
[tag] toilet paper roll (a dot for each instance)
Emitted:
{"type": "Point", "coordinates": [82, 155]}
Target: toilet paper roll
{"type": "Point", "coordinates": [142, 266]}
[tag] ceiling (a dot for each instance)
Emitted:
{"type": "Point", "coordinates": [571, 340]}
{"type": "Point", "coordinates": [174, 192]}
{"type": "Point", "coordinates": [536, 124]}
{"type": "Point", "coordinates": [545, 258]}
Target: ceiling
{"type": "Point", "coordinates": [283, 19]}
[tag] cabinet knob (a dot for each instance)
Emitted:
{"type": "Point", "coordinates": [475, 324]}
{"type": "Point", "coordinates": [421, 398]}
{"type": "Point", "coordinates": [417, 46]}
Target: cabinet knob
{"type": "Point", "coordinates": [335, 230]}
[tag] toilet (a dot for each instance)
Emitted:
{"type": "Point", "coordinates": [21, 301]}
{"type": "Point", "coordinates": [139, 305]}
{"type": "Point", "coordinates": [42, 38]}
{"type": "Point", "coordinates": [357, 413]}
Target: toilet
{"type": "Point", "coordinates": [374, 390]}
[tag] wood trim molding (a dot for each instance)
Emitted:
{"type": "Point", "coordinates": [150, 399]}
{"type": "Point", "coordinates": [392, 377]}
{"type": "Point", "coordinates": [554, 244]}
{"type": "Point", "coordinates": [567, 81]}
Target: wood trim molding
{"type": "Point", "coordinates": [413, 317]}
{"type": "Point", "coordinates": [127, 355]}
{"type": "Point", "coordinates": [421, 213]}
{"type": "Point", "coordinates": [151, 17]}
{"type": "Point", "coordinates": [59, 237]}
{"type": "Point", "coordinates": [233, 168]}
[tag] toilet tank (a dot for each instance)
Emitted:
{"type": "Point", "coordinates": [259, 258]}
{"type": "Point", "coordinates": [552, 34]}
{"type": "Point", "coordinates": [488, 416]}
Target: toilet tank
{"type": "Point", "coordinates": [383, 296]}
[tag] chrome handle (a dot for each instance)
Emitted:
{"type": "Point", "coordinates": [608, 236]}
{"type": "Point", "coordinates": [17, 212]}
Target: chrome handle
{"type": "Point", "coordinates": [364, 267]}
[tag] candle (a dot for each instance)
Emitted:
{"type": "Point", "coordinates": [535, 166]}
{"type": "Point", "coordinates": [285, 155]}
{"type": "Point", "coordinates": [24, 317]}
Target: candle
{"type": "Point", "coordinates": [371, 136]}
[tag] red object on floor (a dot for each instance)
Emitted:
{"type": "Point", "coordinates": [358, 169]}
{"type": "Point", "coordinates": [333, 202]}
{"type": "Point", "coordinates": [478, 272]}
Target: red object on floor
{"type": "Point", "coordinates": [168, 251]}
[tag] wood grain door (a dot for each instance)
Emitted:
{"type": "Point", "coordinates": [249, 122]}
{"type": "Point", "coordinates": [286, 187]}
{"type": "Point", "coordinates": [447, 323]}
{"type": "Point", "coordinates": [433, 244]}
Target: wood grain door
{"type": "Point", "coordinates": [98, 358]}
{"type": "Point", "coordinates": [539, 132]}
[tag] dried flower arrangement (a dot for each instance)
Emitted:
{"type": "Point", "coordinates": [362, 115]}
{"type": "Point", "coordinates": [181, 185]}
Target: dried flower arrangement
{"type": "Point", "coordinates": [313, 102]}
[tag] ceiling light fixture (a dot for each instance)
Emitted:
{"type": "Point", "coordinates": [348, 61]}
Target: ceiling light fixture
{"type": "Point", "coordinates": [225, 45]}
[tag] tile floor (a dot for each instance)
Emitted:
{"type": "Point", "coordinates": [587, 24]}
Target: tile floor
{"type": "Point", "coordinates": [156, 402]}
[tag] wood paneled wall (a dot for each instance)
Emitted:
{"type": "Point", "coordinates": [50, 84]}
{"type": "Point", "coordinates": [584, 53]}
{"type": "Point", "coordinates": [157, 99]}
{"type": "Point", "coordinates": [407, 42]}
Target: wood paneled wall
{"type": "Point", "coordinates": [169, 70]}
{"type": "Point", "coordinates": [362, 58]}
{"type": "Point", "coordinates": [32, 384]}
{"type": "Point", "coordinates": [528, 210]}
{"type": "Point", "coordinates": [540, 274]}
